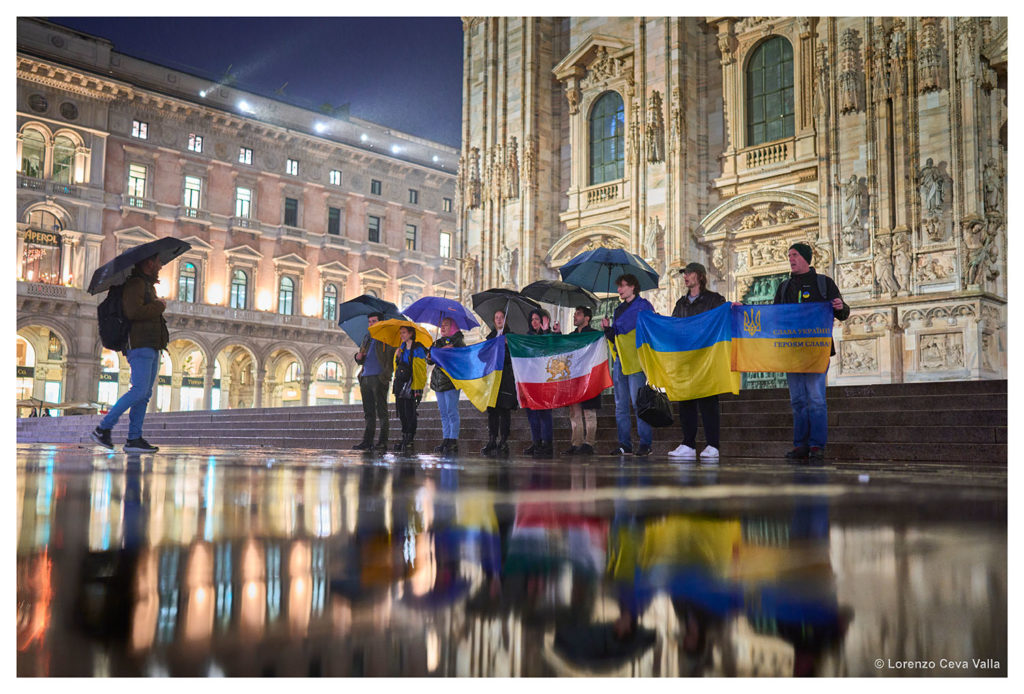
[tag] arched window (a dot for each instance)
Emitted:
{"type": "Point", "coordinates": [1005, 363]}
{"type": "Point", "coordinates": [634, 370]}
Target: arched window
{"type": "Point", "coordinates": [187, 283]}
{"type": "Point", "coordinates": [239, 289]}
{"type": "Point", "coordinates": [63, 158]}
{"type": "Point", "coordinates": [330, 302]}
{"type": "Point", "coordinates": [43, 248]}
{"type": "Point", "coordinates": [607, 152]}
{"type": "Point", "coordinates": [292, 373]}
{"type": "Point", "coordinates": [770, 92]}
{"type": "Point", "coordinates": [33, 153]}
{"type": "Point", "coordinates": [286, 296]}
{"type": "Point", "coordinates": [328, 371]}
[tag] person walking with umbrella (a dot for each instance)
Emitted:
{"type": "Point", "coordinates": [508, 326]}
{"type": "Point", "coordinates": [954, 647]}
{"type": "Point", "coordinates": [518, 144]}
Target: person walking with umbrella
{"type": "Point", "coordinates": [447, 394]}
{"type": "Point", "coordinates": [626, 372]}
{"type": "Point", "coordinates": [541, 423]}
{"type": "Point", "coordinates": [499, 417]}
{"type": "Point", "coordinates": [377, 360]}
{"type": "Point", "coordinates": [147, 336]}
{"type": "Point", "coordinates": [410, 380]}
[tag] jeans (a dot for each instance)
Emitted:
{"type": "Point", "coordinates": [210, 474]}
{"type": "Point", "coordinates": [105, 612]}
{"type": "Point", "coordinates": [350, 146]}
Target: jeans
{"type": "Point", "coordinates": [540, 425]}
{"type": "Point", "coordinates": [145, 364]}
{"type": "Point", "coordinates": [626, 389]}
{"type": "Point", "coordinates": [709, 412]}
{"type": "Point", "coordinates": [810, 414]}
{"type": "Point", "coordinates": [448, 405]}
{"type": "Point", "coordinates": [374, 392]}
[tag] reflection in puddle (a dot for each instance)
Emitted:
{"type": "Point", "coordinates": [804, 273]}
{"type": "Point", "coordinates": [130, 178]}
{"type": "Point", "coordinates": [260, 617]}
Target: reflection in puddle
{"type": "Point", "coordinates": [203, 566]}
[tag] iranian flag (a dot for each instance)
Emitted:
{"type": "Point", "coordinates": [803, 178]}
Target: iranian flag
{"type": "Point", "coordinates": [559, 370]}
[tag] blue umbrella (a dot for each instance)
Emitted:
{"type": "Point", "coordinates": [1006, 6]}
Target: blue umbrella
{"type": "Point", "coordinates": [434, 309]}
{"type": "Point", "coordinates": [353, 315]}
{"type": "Point", "coordinates": [598, 269]}
{"type": "Point", "coordinates": [117, 270]}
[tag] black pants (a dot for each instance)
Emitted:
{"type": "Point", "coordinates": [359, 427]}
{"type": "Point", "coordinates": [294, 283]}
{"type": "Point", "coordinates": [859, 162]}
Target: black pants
{"type": "Point", "coordinates": [374, 391]}
{"type": "Point", "coordinates": [499, 423]}
{"type": "Point", "coordinates": [407, 414]}
{"type": "Point", "coordinates": [709, 412]}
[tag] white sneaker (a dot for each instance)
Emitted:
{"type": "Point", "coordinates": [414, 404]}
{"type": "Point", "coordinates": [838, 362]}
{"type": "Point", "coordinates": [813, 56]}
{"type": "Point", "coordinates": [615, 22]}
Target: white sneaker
{"type": "Point", "coordinates": [709, 453]}
{"type": "Point", "coordinates": [683, 452]}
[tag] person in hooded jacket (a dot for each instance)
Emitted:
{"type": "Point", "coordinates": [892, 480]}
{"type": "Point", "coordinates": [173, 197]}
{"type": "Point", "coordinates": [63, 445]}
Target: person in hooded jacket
{"type": "Point", "coordinates": [499, 417]}
{"type": "Point", "coordinates": [447, 393]}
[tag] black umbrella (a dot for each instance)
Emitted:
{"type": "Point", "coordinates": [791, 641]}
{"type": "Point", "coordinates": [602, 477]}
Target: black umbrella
{"type": "Point", "coordinates": [117, 270]}
{"type": "Point", "coordinates": [517, 308]}
{"type": "Point", "coordinates": [560, 294]}
{"type": "Point", "coordinates": [353, 315]}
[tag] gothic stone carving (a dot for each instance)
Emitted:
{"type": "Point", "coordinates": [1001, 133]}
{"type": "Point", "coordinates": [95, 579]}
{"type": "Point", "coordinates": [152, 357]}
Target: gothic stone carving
{"type": "Point", "coordinates": [769, 252]}
{"type": "Point", "coordinates": [572, 95]}
{"type": "Point", "coordinates": [858, 356]}
{"type": "Point", "coordinates": [512, 170]}
{"type": "Point", "coordinates": [603, 69]}
{"type": "Point", "coordinates": [966, 48]}
{"type": "Point", "coordinates": [474, 178]}
{"type": "Point", "coordinates": [655, 129]}
{"type": "Point", "coordinates": [633, 147]}
{"type": "Point", "coordinates": [981, 252]}
{"type": "Point", "coordinates": [530, 162]}
{"type": "Point", "coordinates": [934, 268]}
{"type": "Point", "coordinates": [678, 133]}
{"type": "Point", "coordinates": [654, 232]}
{"type": "Point", "coordinates": [902, 259]}
{"type": "Point", "coordinates": [854, 275]}
{"type": "Point", "coordinates": [930, 65]}
{"type": "Point", "coordinates": [849, 72]}
{"type": "Point", "coordinates": [884, 279]}
{"type": "Point", "coordinates": [508, 261]}
{"type": "Point", "coordinates": [941, 351]}
{"type": "Point", "coordinates": [931, 184]}
{"type": "Point", "coordinates": [821, 88]}
{"type": "Point", "coordinates": [992, 178]}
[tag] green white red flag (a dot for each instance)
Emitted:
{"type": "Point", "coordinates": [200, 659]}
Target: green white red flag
{"type": "Point", "coordinates": [559, 370]}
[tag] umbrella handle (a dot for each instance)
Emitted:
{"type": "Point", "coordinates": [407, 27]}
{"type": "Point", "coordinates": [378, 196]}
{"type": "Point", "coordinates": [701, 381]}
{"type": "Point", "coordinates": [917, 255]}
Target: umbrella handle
{"type": "Point", "coordinates": [505, 324]}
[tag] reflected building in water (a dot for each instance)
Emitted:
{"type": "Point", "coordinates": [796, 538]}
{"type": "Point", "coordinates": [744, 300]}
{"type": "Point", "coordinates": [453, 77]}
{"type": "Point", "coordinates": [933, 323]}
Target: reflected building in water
{"type": "Point", "coordinates": [204, 569]}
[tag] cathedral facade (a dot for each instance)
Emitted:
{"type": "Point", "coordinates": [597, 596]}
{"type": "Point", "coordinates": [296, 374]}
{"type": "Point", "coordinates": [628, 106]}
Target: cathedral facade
{"type": "Point", "coordinates": [881, 142]}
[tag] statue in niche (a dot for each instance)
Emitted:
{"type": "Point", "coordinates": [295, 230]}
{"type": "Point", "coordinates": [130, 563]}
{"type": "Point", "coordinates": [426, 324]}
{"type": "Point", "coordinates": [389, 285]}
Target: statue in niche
{"type": "Point", "coordinates": [883, 267]}
{"type": "Point", "coordinates": [504, 265]}
{"type": "Point", "coordinates": [469, 279]}
{"type": "Point", "coordinates": [512, 170]}
{"type": "Point", "coordinates": [530, 162]}
{"type": "Point", "coordinates": [901, 259]}
{"type": "Point", "coordinates": [718, 261]}
{"type": "Point", "coordinates": [982, 252]}
{"type": "Point", "coordinates": [850, 196]}
{"type": "Point", "coordinates": [653, 233]}
{"type": "Point", "coordinates": [992, 179]}
{"type": "Point", "coordinates": [474, 178]}
{"type": "Point", "coordinates": [930, 182]}
{"type": "Point", "coordinates": [933, 229]}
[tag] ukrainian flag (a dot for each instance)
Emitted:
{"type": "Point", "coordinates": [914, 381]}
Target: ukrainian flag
{"type": "Point", "coordinates": [475, 370]}
{"type": "Point", "coordinates": [624, 347]}
{"type": "Point", "coordinates": [688, 357]}
{"type": "Point", "coordinates": [786, 338]}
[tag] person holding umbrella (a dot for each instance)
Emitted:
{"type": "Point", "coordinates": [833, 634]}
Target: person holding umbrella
{"type": "Point", "coordinates": [541, 423]}
{"type": "Point", "coordinates": [447, 394]}
{"type": "Point", "coordinates": [499, 417]}
{"type": "Point", "coordinates": [377, 360]}
{"type": "Point", "coordinates": [147, 336]}
{"type": "Point", "coordinates": [626, 372]}
{"type": "Point", "coordinates": [410, 380]}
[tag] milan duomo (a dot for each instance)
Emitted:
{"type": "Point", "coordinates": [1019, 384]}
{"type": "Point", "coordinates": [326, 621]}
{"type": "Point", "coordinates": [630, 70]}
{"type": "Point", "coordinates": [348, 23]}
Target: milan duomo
{"type": "Point", "coordinates": [881, 142]}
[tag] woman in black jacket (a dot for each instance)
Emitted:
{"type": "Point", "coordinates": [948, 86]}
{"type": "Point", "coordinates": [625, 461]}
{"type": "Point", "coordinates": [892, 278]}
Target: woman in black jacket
{"type": "Point", "coordinates": [447, 394]}
{"type": "Point", "coordinates": [698, 299]}
{"type": "Point", "coordinates": [499, 417]}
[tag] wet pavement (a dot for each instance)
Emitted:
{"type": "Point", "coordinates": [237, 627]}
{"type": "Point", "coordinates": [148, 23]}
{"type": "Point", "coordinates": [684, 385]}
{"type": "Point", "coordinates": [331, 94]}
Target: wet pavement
{"type": "Point", "coordinates": [199, 562]}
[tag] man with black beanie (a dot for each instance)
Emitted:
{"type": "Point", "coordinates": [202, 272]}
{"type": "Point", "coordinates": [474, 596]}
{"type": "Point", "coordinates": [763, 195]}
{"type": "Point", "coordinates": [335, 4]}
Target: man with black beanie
{"type": "Point", "coordinates": [807, 390]}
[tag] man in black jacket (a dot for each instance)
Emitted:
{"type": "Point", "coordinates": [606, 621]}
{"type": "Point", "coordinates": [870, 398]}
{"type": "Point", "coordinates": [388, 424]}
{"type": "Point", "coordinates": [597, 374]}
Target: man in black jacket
{"type": "Point", "coordinates": [807, 391]}
{"type": "Point", "coordinates": [378, 361]}
{"type": "Point", "coordinates": [698, 299]}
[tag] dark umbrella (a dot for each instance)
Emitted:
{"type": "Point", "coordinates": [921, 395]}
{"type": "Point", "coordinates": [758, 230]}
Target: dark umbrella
{"type": "Point", "coordinates": [560, 294]}
{"type": "Point", "coordinates": [517, 308]}
{"type": "Point", "coordinates": [117, 270]}
{"type": "Point", "coordinates": [353, 315]}
{"type": "Point", "coordinates": [598, 269]}
{"type": "Point", "coordinates": [597, 648]}
{"type": "Point", "coordinates": [434, 309]}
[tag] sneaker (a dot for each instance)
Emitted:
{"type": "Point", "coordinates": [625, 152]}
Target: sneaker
{"type": "Point", "coordinates": [816, 453]}
{"type": "Point", "coordinates": [585, 449]}
{"type": "Point", "coordinates": [683, 452]}
{"type": "Point", "coordinates": [621, 450]}
{"type": "Point", "coordinates": [381, 447]}
{"type": "Point", "coordinates": [643, 450]}
{"type": "Point", "coordinates": [709, 453]}
{"type": "Point", "coordinates": [139, 445]}
{"type": "Point", "coordinates": [798, 453]}
{"type": "Point", "coordinates": [102, 437]}
{"type": "Point", "coordinates": [571, 450]}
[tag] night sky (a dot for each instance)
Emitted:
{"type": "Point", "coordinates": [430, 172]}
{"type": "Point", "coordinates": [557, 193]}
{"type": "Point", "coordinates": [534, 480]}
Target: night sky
{"type": "Point", "coordinates": [400, 72]}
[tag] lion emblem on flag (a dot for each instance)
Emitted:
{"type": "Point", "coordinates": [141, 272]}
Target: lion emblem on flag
{"type": "Point", "coordinates": [558, 367]}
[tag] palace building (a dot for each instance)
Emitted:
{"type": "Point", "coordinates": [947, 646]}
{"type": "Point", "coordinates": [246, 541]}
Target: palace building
{"type": "Point", "coordinates": [881, 142]}
{"type": "Point", "coordinates": [289, 212]}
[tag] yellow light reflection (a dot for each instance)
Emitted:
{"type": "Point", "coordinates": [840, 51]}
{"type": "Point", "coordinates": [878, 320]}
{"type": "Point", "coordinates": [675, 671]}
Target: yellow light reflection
{"type": "Point", "coordinates": [147, 602]}
{"type": "Point", "coordinates": [300, 598]}
{"type": "Point", "coordinates": [198, 624]}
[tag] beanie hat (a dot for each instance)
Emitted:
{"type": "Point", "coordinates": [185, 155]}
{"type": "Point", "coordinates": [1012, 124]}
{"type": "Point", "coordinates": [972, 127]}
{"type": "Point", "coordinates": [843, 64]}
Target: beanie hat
{"type": "Point", "coordinates": [803, 249]}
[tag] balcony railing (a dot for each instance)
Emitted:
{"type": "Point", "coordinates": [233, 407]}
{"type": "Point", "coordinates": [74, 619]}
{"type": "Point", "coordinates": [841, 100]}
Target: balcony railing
{"type": "Point", "coordinates": [779, 152]}
{"type": "Point", "coordinates": [599, 195]}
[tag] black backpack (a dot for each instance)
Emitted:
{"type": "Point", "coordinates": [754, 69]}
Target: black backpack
{"type": "Point", "coordinates": [114, 327]}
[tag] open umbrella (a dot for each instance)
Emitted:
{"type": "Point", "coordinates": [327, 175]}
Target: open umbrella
{"type": "Point", "coordinates": [517, 308]}
{"type": "Point", "coordinates": [434, 309]}
{"type": "Point", "coordinates": [560, 294]}
{"type": "Point", "coordinates": [353, 314]}
{"type": "Point", "coordinates": [387, 332]}
{"type": "Point", "coordinates": [117, 270]}
{"type": "Point", "coordinates": [598, 269]}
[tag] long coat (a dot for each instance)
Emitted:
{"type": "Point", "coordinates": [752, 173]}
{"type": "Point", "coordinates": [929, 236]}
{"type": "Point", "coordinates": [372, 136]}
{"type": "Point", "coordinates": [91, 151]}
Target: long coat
{"type": "Point", "coordinates": [507, 397]}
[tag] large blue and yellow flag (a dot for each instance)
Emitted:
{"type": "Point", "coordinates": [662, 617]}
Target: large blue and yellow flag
{"type": "Point", "coordinates": [475, 370]}
{"type": "Point", "coordinates": [688, 357]}
{"type": "Point", "coordinates": [788, 338]}
{"type": "Point", "coordinates": [624, 326]}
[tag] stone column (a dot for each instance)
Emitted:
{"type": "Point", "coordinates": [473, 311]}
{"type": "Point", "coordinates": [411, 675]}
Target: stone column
{"type": "Point", "coordinates": [175, 405]}
{"type": "Point", "coordinates": [260, 380]}
{"type": "Point", "coordinates": [304, 382]}
{"type": "Point", "coordinates": [81, 378]}
{"type": "Point", "coordinates": [208, 388]}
